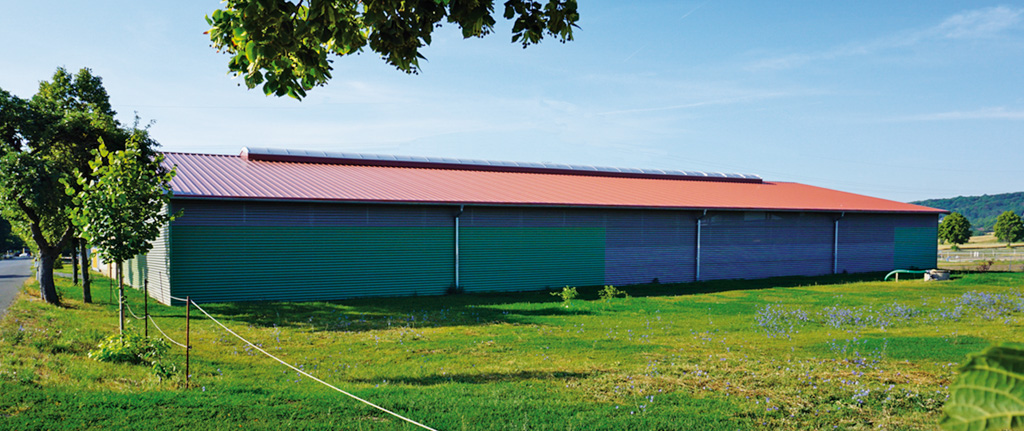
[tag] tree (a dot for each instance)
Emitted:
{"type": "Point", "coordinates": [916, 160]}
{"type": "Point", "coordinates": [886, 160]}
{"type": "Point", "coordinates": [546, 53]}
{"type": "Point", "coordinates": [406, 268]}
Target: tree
{"type": "Point", "coordinates": [44, 141]}
{"type": "Point", "coordinates": [121, 209]}
{"type": "Point", "coordinates": [1009, 227]}
{"type": "Point", "coordinates": [285, 45]}
{"type": "Point", "coordinates": [955, 229]}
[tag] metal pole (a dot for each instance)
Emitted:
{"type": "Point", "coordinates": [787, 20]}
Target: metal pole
{"type": "Point", "coordinates": [188, 344]}
{"type": "Point", "coordinates": [835, 245]}
{"type": "Point", "coordinates": [835, 248]}
{"type": "Point", "coordinates": [697, 275]}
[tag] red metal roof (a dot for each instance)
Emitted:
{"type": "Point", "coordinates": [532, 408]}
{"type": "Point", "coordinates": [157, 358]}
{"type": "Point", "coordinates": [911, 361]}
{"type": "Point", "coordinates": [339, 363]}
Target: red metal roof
{"type": "Point", "coordinates": [236, 177]}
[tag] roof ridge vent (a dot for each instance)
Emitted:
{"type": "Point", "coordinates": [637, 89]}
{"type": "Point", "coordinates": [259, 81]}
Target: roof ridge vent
{"type": "Point", "coordinates": [263, 154]}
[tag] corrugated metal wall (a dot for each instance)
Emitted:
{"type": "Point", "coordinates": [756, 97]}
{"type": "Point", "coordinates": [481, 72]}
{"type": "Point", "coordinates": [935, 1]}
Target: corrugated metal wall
{"type": "Point", "coordinates": [234, 250]}
{"type": "Point", "coordinates": [883, 242]}
{"type": "Point", "coordinates": [754, 244]}
{"type": "Point", "coordinates": [153, 266]}
{"type": "Point", "coordinates": [645, 245]}
{"type": "Point", "coordinates": [516, 249]}
{"type": "Point", "coordinates": [158, 263]}
{"type": "Point", "coordinates": [237, 251]}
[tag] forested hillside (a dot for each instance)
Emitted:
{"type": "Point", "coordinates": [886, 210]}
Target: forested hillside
{"type": "Point", "coordinates": [980, 210]}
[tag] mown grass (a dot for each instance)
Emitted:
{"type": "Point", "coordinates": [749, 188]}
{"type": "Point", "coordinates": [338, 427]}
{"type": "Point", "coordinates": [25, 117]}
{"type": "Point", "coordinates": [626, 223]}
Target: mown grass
{"type": "Point", "coordinates": [789, 353]}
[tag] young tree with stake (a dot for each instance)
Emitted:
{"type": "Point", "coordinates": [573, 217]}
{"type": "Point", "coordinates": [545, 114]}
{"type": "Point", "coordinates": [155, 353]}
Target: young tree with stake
{"type": "Point", "coordinates": [123, 207]}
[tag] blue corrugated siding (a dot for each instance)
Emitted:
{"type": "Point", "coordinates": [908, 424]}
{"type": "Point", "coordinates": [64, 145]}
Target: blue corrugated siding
{"type": "Point", "coordinates": [869, 242]}
{"type": "Point", "coordinates": [646, 245]}
{"type": "Point", "coordinates": [759, 245]}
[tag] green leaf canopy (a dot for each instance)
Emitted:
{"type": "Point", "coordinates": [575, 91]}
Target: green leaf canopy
{"type": "Point", "coordinates": [284, 45]}
{"type": "Point", "coordinates": [989, 392]}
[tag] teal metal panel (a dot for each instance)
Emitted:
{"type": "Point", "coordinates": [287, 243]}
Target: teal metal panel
{"type": "Point", "coordinates": [305, 263]}
{"type": "Point", "coordinates": [531, 258]}
{"type": "Point", "coordinates": [916, 247]}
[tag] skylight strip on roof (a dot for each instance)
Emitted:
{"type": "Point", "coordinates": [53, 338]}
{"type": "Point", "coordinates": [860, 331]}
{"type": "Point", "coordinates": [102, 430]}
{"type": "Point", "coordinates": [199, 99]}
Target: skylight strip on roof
{"type": "Point", "coordinates": [328, 157]}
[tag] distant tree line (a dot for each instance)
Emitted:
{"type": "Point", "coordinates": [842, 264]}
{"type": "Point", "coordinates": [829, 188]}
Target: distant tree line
{"type": "Point", "coordinates": [981, 211]}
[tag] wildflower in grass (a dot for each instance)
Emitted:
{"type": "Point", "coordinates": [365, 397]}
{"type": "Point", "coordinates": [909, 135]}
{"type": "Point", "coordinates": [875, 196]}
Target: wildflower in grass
{"type": "Point", "coordinates": [893, 315]}
{"type": "Point", "coordinates": [777, 320]}
{"type": "Point", "coordinates": [838, 317]}
{"type": "Point", "coordinates": [990, 306]}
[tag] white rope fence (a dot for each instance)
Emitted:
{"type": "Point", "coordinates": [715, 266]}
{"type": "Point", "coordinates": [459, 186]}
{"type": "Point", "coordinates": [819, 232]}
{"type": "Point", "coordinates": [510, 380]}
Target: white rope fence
{"type": "Point", "coordinates": [165, 334]}
{"type": "Point", "coordinates": [132, 312]}
{"type": "Point", "coordinates": [301, 371]}
{"type": "Point", "coordinates": [154, 325]}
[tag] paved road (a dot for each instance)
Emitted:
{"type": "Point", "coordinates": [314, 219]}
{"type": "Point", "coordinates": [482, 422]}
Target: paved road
{"type": "Point", "coordinates": [13, 273]}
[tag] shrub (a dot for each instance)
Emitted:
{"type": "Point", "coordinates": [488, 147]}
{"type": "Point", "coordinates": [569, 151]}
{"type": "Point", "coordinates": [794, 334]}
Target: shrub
{"type": "Point", "coordinates": [567, 294]}
{"type": "Point", "coordinates": [129, 348]}
{"type": "Point", "coordinates": [610, 292]}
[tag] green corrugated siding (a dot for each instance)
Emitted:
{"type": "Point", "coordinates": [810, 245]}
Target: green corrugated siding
{"type": "Point", "coordinates": [915, 247]}
{"type": "Point", "coordinates": [228, 263]}
{"type": "Point", "coordinates": [530, 258]}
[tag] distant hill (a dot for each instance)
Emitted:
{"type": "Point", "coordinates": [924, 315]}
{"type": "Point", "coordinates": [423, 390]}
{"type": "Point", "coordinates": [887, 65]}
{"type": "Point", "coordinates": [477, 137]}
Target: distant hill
{"type": "Point", "coordinates": [980, 210]}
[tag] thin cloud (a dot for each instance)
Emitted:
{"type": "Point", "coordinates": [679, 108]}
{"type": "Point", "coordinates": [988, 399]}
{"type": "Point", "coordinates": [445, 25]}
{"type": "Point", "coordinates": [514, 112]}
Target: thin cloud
{"type": "Point", "coordinates": [976, 24]}
{"type": "Point", "coordinates": [725, 101]}
{"type": "Point", "coordinates": [979, 23]}
{"type": "Point", "coordinates": [998, 113]}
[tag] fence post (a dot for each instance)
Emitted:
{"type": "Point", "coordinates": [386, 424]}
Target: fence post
{"type": "Point", "coordinates": [188, 344]}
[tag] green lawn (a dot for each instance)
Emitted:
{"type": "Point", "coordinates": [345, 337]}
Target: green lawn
{"type": "Point", "coordinates": [791, 353]}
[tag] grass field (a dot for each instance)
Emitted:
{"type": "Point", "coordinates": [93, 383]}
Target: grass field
{"type": "Point", "coordinates": [791, 353]}
{"type": "Point", "coordinates": [981, 242]}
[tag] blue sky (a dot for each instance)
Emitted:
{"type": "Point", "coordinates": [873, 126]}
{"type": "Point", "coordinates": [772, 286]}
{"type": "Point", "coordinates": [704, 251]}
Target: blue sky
{"type": "Point", "coordinates": [902, 100]}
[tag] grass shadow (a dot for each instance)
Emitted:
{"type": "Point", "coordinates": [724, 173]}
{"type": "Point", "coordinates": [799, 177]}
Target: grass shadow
{"type": "Point", "coordinates": [476, 378]}
{"type": "Point", "coordinates": [473, 309]}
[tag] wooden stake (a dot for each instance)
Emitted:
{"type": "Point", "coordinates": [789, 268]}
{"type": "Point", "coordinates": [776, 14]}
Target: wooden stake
{"type": "Point", "coordinates": [188, 345]}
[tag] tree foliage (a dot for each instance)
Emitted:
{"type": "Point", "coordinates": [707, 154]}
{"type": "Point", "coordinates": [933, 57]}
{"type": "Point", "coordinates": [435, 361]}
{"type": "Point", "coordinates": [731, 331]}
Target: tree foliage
{"type": "Point", "coordinates": [1009, 227]}
{"type": "Point", "coordinates": [989, 392]}
{"type": "Point", "coordinates": [955, 229]}
{"type": "Point", "coordinates": [980, 210]}
{"type": "Point", "coordinates": [285, 45]}
{"type": "Point", "coordinates": [45, 140]}
{"type": "Point", "coordinates": [120, 210]}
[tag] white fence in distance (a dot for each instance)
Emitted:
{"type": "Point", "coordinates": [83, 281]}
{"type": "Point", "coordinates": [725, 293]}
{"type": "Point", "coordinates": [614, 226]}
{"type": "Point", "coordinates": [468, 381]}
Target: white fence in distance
{"type": "Point", "coordinates": [997, 254]}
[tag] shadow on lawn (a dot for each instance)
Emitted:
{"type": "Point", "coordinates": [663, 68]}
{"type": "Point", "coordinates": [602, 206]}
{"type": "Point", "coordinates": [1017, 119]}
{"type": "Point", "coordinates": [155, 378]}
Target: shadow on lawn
{"type": "Point", "coordinates": [479, 378]}
{"type": "Point", "coordinates": [474, 309]}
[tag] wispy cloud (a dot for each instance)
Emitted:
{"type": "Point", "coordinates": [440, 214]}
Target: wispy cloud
{"type": "Point", "coordinates": [997, 113]}
{"type": "Point", "coordinates": [975, 24]}
{"type": "Point", "coordinates": [681, 106]}
{"type": "Point", "coordinates": [979, 23]}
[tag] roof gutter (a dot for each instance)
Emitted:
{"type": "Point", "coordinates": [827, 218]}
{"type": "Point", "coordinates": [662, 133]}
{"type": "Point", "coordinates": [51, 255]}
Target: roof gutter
{"type": "Point", "coordinates": [835, 244]}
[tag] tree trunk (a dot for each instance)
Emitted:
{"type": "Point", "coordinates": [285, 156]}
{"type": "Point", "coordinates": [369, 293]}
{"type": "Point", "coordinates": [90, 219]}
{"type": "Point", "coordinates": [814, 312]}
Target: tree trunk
{"type": "Point", "coordinates": [120, 298]}
{"type": "Point", "coordinates": [44, 273]}
{"type": "Point", "coordinates": [86, 264]}
{"type": "Point", "coordinates": [74, 262]}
